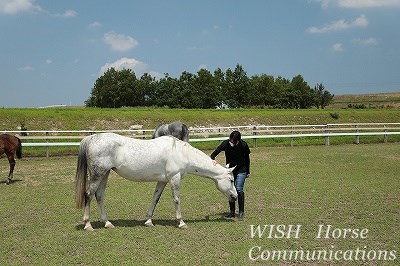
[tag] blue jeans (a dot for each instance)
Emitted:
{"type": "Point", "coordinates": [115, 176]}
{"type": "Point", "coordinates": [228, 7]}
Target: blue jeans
{"type": "Point", "coordinates": [240, 177]}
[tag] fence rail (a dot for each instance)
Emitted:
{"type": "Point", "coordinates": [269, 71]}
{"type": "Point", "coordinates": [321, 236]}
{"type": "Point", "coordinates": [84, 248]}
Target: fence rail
{"type": "Point", "coordinates": [51, 138]}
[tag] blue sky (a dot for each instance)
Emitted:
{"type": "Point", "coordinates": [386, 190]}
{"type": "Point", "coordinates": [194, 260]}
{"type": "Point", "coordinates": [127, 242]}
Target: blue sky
{"type": "Point", "coordinates": [52, 52]}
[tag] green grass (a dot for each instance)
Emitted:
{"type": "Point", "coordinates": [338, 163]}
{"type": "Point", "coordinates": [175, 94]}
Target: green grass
{"type": "Point", "coordinates": [149, 118]}
{"type": "Point", "coordinates": [356, 186]}
{"type": "Point", "coordinates": [112, 119]}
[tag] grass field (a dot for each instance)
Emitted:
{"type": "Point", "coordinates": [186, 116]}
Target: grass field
{"type": "Point", "coordinates": [124, 118]}
{"type": "Point", "coordinates": [373, 100]}
{"type": "Point", "coordinates": [346, 186]}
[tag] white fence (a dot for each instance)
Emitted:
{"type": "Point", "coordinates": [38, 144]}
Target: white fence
{"type": "Point", "coordinates": [44, 138]}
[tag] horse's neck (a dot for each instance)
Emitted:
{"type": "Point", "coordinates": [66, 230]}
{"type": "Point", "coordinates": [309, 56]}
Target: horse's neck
{"type": "Point", "coordinates": [201, 164]}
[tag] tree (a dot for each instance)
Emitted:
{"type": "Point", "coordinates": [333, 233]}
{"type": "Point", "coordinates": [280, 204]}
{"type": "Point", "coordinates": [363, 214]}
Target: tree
{"type": "Point", "coordinates": [115, 89]}
{"type": "Point", "coordinates": [148, 86]}
{"type": "Point", "coordinates": [167, 92]}
{"type": "Point", "coordinates": [322, 96]}
{"type": "Point", "coordinates": [282, 88]}
{"type": "Point", "coordinates": [207, 89]}
{"type": "Point", "coordinates": [237, 85]}
{"type": "Point", "coordinates": [189, 97]}
{"type": "Point", "coordinates": [261, 91]}
{"type": "Point", "coordinates": [220, 87]}
{"type": "Point", "coordinates": [302, 96]}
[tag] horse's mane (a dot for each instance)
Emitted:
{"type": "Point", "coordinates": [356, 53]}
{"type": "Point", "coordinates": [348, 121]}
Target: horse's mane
{"type": "Point", "coordinates": [187, 148]}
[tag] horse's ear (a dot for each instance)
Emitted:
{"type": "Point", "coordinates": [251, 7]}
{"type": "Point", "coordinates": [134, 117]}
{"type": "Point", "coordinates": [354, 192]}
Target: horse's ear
{"type": "Point", "coordinates": [231, 169]}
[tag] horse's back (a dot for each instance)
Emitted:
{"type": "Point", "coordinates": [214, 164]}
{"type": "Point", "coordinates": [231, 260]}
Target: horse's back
{"type": "Point", "coordinates": [10, 144]}
{"type": "Point", "coordinates": [135, 159]}
{"type": "Point", "coordinates": [121, 148]}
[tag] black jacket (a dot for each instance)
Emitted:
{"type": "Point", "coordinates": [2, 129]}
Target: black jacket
{"type": "Point", "coordinates": [238, 155]}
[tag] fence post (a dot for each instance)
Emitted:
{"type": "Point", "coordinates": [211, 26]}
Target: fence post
{"type": "Point", "coordinates": [327, 135]}
{"type": "Point", "coordinates": [291, 138]}
{"type": "Point", "coordinates": [385, 136]}
{"type": "Point", "coordinates": [254, 139]}
{"type": "Point", "coordinates": [47, 146]}
{"type": "Point", "coordinates": [357, 136]}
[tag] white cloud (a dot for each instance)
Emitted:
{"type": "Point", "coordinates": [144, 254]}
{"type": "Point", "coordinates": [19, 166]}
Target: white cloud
{"type": "Point", "coordinates": [18, 6]}
{"type": "Point", "coordinates": [367, 3]}
{"type": "Point", "coordinates": [94, 24]}
{"type": "Point", "coordinates": [337, 47]}
{"type": "Point", "coordinates": [359, 3]}
{"type": "Point", "coordinates": [125, 63]}
{"type": "Point", "coordinates": [203, 66]}
{"type": "Point", "coordinates": [369, 41]}
{"type": "Point", "coordinates": [361, 21]}
{"type": "Point", "coordinates": [25, 68]}
{"type": "Point", "coordinates": [156, 75]}
{"type": "Point", "coordinates": [67, 14]}
{"type": "Point", "coordinates": [119, 42]}
{"type": "Point", "coordinates": [12, 7]}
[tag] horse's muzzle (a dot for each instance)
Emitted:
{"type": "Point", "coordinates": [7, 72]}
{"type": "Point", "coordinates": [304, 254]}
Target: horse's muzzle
{"type": "Point", "coordinates": [232, 198]}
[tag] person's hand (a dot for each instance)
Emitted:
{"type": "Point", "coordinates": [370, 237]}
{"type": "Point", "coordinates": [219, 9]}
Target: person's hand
{"type": "Point", "coordinates": [248, 175]}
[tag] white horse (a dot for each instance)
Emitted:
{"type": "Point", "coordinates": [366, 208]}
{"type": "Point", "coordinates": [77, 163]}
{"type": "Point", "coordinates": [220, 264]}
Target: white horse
{"type": "Point", "coordinates": [164, 159]}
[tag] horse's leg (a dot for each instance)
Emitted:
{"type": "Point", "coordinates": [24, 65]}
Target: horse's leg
{"type": "Point", "coordinates": [11, 161]}
{"type": "Point", "coordinates": [90, 192]}
{"type": "Point", "coordinates": [176, 198]}
{"type": "Point", "coordinates": [86, 211]}
{"type": "Point", "coordinates": [100, 201]}
{"type": "Point", "coordinates": [156, 197]}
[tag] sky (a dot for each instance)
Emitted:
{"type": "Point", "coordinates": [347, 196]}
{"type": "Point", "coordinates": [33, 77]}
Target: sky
{"type": "Point", "coordinates": [52, 52]}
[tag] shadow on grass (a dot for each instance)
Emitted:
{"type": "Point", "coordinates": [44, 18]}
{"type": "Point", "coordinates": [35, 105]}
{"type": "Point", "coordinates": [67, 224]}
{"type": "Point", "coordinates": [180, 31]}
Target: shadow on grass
{"type": "Point", "coordinates": [12, 181]}
{"type": "Point", "coordinates": [158, 222]}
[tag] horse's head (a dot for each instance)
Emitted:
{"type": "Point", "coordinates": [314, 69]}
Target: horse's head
{"type": "Point", "coordinates": [225, 184]}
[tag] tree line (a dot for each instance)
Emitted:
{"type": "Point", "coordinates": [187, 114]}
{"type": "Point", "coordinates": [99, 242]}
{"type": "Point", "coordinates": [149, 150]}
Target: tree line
{"type": "Point", "coordinates": [204, 90]}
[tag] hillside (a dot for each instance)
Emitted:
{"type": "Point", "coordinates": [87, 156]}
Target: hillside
{"type": "Point", "coordinates": [377, 100]}
{"type": "Point", "coordinates": [126, 118]}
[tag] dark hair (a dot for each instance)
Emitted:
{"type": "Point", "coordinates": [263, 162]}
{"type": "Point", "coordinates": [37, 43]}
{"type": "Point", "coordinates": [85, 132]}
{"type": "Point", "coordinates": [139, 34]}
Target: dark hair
{"type": "Point", "coordinates": [235, 136]}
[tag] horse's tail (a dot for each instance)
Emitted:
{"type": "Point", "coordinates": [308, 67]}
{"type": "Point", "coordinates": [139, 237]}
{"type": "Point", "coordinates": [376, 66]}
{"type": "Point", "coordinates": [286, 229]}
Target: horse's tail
{"type": "Point", "coordinates": [19, 149]}
{"type": "Point", "coordinates": [81, 174]}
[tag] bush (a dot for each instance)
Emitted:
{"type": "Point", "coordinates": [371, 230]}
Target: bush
{"type": "Point", "coordinates": [335, 115]}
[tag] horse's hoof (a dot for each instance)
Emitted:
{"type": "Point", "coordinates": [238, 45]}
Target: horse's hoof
{"type": "Point", "coordinates": [109, 225]}
{"type": "Point", "coordinates": [182, 226]}
{"type": "Point", "coordinates": [149, 223]}
{"type": "Point", "coordinates": [88, 228]}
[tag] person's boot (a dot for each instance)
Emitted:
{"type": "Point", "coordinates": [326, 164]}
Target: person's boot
{"type": "Point", "coordinates": [231, 209]}
{"type": "Point", "coordinates": [241, 206]}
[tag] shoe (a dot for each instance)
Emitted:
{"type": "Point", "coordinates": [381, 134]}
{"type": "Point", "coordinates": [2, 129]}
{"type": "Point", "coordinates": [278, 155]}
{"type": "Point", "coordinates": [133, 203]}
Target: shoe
{"type": "Point", "coordinates": [232, 210]}
{"type": "Point", "coordinates": [230, 215]}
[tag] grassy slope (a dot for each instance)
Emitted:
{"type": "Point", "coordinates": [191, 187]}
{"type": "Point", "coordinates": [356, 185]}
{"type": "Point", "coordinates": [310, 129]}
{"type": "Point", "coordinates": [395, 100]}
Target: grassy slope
{"type": "Point", "coordinates": [99, 119]}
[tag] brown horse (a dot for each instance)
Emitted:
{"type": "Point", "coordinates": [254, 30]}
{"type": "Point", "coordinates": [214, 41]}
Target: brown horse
{"type": "Point", "coordinates": [11, 146]}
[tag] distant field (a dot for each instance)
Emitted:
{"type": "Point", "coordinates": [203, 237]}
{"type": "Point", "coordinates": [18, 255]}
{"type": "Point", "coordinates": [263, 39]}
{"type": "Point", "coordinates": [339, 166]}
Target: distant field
{"type": "Point", "coordinates": [346, 186]}
{"type": "Point", "coordinates": [378, 100]}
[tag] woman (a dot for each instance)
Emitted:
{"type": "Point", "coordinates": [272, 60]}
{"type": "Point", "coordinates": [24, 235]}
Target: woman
{"type": "Point", "coordinates": [237, 153]}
